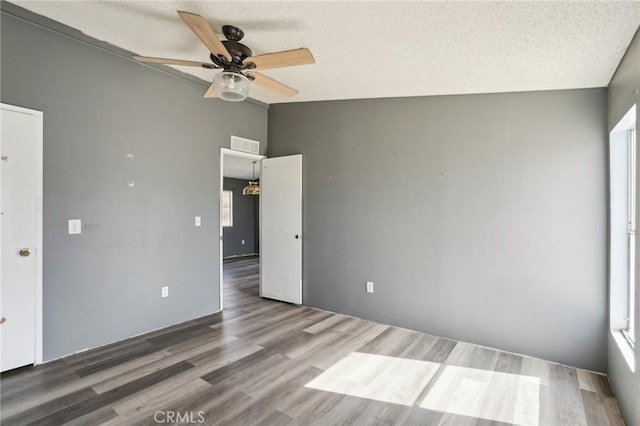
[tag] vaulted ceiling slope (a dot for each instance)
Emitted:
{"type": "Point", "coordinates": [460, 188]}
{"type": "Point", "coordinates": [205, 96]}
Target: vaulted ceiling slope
{"type": "Point", "coordinates": [367, 49]}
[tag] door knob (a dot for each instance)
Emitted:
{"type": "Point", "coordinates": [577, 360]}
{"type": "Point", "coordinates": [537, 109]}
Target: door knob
{"type": "Point", "coordinates": [24, 252]}
{"type": "Point", "coordinates": [297, 236]}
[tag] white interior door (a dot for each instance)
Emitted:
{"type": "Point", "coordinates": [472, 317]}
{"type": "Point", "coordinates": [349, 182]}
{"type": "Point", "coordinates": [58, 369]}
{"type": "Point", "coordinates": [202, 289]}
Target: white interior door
{"type": "Point", "coordinates": [281, 228]}
{"type": "Point", "coordinates": [20, 146]}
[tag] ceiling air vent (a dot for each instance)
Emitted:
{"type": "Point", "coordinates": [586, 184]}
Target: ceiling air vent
{"type": "Point", "coordinates": [245, 145]}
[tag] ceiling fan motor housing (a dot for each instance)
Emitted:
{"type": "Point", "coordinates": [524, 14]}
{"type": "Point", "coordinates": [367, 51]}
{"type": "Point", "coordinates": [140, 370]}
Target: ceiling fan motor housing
{"type": "Point", "coordinates": [238, 51]}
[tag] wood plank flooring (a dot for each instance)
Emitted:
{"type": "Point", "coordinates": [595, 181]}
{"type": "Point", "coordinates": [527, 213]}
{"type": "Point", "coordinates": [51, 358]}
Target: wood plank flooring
{"type": "Point", "coordinates": [268, 363]}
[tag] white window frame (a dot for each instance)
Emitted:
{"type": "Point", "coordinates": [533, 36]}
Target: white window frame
{"type": "Point", "coordinates": [629, 331]}
{"type": "Point", "coordinates": [623, 244]}
{"type": "Point", "coordinates": [230, 225]}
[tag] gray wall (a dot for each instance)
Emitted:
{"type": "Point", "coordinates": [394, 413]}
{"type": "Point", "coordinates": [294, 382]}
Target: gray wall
{"type": "Point", "coordinates": [481, 218]}
{"type": "Point", "coordinates": [243, 221]}
{"type": "Point", "coordinates": [623, 93]}
{"type": "Point", "coordinates": [104, 284]}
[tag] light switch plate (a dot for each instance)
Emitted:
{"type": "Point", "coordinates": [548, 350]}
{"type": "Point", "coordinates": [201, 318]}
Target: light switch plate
{"type": "Point", "coordinates": [369, 287]}
{"type": "Point", "coordinates": [75, 226]}
{"type": "Point", "coordinates": [198, 221]}
{"type": "Point", "coordinates": [165, 291]}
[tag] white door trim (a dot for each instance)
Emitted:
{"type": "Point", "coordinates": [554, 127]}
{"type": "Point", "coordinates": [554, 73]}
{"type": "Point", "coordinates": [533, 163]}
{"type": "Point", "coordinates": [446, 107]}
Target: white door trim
{"type": "Point", "coordinates": [223, 152]}
{"type": "Point", "coordinates": [38, 244]}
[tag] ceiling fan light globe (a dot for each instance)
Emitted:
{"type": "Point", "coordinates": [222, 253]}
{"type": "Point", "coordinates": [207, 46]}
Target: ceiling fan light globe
{"type": "Point", "coordinates": [231, 86]}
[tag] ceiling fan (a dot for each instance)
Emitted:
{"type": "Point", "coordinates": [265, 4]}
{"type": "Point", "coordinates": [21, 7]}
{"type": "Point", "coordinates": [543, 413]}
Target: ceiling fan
{"type": "Point", "coordinates": [236, 61]}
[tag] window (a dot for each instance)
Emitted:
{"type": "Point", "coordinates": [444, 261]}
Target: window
{"type": "Point", "coordinates": [631, 234]}
{"type": "Point", "coordinates": [227, 208]}
{"type": "Point", "coordinates": [623, 213]}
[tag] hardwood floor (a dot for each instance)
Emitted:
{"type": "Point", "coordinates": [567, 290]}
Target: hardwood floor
{"type": "Point", "coordinates": [270, 363]}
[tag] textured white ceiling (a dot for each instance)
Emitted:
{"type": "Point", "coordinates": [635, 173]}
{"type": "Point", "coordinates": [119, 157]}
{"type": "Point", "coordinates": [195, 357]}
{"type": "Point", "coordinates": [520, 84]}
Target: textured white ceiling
{"type": "Point", "coordinates": [373, 49]}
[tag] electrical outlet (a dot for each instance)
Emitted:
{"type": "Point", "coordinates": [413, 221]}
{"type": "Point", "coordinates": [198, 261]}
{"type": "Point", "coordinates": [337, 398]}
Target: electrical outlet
{"type": "Point", "coordinates": [198, 221]}
{"type": "Point", "coordinates": [369, 286]}
{"type": "Point", "coordinates": [242, 242]}
{"type": "Point", "coordinates": [75, 226]}
{"type": "Point", "coordinates": [165, 291]}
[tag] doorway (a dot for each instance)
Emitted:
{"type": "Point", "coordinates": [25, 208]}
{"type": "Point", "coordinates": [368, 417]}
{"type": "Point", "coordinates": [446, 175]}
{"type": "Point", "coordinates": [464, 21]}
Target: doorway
{"type": "Point", "coordinates": [21, 236]}
{"type": "Point", "coordinates": [239, 222]}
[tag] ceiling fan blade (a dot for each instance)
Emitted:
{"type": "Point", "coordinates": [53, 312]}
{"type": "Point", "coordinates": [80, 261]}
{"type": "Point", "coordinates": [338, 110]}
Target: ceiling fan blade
{"type": "Point", "coordinates": [151, 60]}
{"type": "Point", "coordinates": [287, 58]}
{"type": "Point", "coordinates": [204, 32]}
{"type": "Point", "coordinates": [211, 92]}
{"type": "Point", "coordinates": [275, 86]}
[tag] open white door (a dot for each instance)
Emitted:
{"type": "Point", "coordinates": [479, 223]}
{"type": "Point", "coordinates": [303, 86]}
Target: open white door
{"type": "Point", "coordinates": [21, 235]}
{"type": "Point", "coordinates": [281, 229]}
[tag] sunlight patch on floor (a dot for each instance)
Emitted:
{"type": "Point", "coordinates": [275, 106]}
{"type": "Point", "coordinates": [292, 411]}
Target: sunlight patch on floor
{"type": "Point", "coordinates": [378, 377]}
{"type": "Point", "coordinates": [491, 395]}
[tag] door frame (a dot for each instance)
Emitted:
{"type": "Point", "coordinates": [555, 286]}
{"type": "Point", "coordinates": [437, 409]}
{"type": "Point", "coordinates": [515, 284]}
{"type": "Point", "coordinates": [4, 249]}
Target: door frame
{"type": "Point", "coordinates": [223, 152]}
{"type": "Point", "coordinates": [38, 115]}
